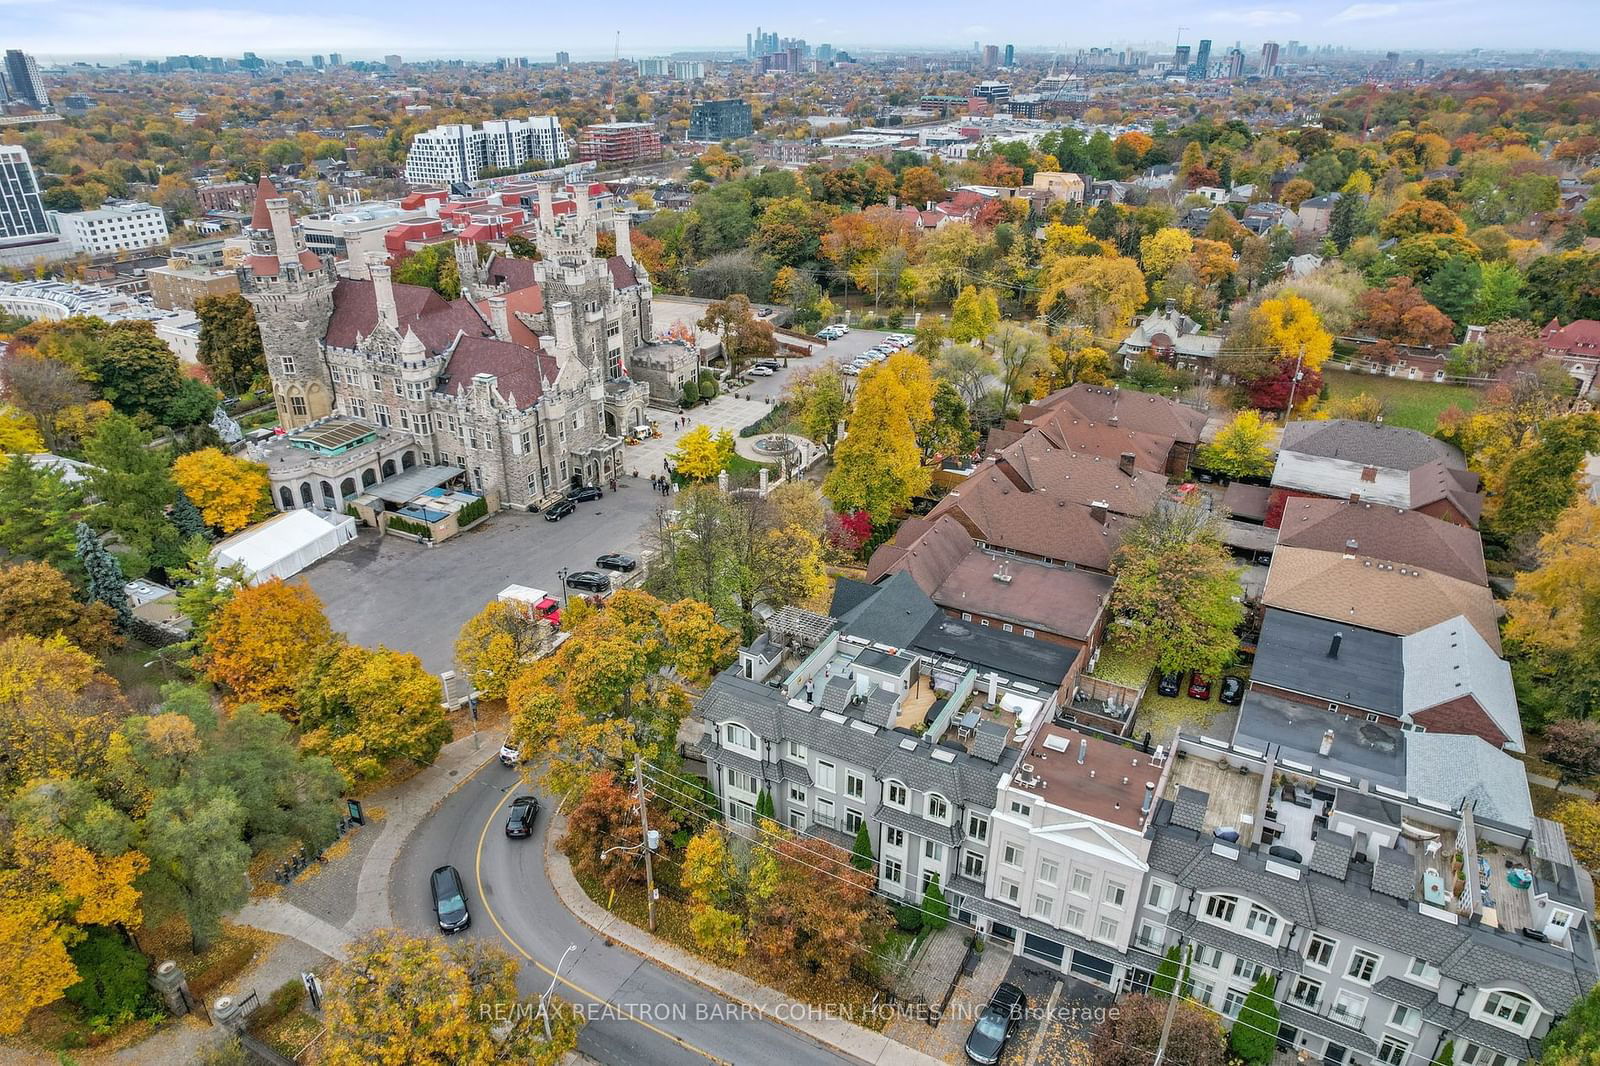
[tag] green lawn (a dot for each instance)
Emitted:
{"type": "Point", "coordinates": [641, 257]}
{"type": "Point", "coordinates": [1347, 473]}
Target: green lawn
{"type": "Point", "coordinates": [1413, 404]}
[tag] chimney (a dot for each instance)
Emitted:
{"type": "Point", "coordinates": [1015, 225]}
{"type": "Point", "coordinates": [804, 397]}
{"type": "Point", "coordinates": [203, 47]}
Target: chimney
{"type": "Point", "coordinates": [1125, 463]}
{"type": "Point", "coordinates": [1100, 511]}
{"type": "Point", "coordinates": [1112, 421]}
{"type": "Point", "coordinates": [1149, 797]}
{"type": "Point", "coordinates": [1350, 547]}
{"type": "Point", "coordinates": [1172, 305]}
{"type": "Point", "coordinates": [994, 685]}
{"type": "Point", "coordinates": [383, 291]}
{"type": "Point", "coordinates": [581, 190]}
{"type": "Point", "coordinates": [547, 207]}
{"type": "Point", "coordinates": [1333, 645]}
{"type": "Point", "coordinates": [282, 227]}
{"type": "Point", "coordinates": [624, 231]}
{"type": "Point", "coordinates": [547, 341]}
{"type": "Point", "coordinates": [1083, 750]}
{"type": "Point", "coordinates": [566, 326]}
{"type": "Point", "coordinates": [1327, 743]}
{"type": "Point", "coordinates": [499, 317]}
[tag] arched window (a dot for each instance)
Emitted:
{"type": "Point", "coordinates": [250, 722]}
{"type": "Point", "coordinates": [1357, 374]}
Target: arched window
{"type": "Point", "coordinates": [306, 498]}
{"type": "Point", "coordinates": [368, 478]}
{"type": "Point", "coordinates": [347, 488]}
{"type": "Point", "coordinates": [286, 497]}
{"type": "Point", "coordinates": [408, 460]}
{"type": "Point", "coordinates": [388, 468]}
{"type": "Point", "coordinates": [938, 807]}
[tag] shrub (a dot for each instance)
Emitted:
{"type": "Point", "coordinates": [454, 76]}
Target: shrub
{"type": "Point", "coordinates": [691, 393]}
{"type": "Point", "coordinates": [401, 524]}
{"type": "Point", "coordinates": [908, 918]}
{"type": "Point", "coordinates": [111, 974]}
{"type": "Point", "coordinates": [472, 512]}
{"type": "Point", "coordinates": [708, 384]}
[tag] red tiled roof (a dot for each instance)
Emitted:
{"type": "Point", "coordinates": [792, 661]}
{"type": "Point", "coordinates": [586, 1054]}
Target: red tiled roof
{"type": "Point", "coordinates": [1581, 337]}
{"type": "Point", "coordinates": [265, 190]}
{"type": "Point", "coordinates": [1137, 411]}
{"type": "Point", "coordinates": [622, 275]}
{"type": "Point", "coordinates": [436, 321]}
{"type": "Point", "coordinates": [528, 301]}
{"type": "Point", "coordinates": [521, 371]}
{"type": "Point", "coordinates": [264, 266]}
{"type": "Point", "coordinates": [518, 274]}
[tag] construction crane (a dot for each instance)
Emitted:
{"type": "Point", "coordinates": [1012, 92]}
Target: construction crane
{"type": "Point", "coordinates": [616, 62]}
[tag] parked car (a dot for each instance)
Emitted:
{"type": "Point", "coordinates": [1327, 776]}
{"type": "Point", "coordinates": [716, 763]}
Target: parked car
{"type": "Point", "coordinates": [1169, 684]}
{"type": "Point", "coordinates": [449, 900]}
{"type": "Point", "coordinates": [559, 510]}
{"type": "Point", "coordinates": [589, 581]}
{"type": "Point", "coordinates": [770, 364]}
{"type": "Point", "coordinates": [829, 333]}
{"type": "Point", "coordinates": [510, 755]}
{"type": "Point", "coordinates": [842, 328]}
{"type": "Point", "coordinates": [1232, 690]}
{"type": "Point", "coordinates": [849, 370]}
{"type": "Point", "coordinates": [759, 371]}
{"type": "Point", "coordinates": [524, 809]}
{"type": "Point", "coordinates": [617, 561]}
{"type": "Point", "coordinates": [1005, 1011]}
{"type": "Point", "coordinates": [1199, 687]}
{"type": "Point", "coordinates": [584, 492]}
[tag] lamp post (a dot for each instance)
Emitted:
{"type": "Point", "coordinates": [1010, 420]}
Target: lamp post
{"type": "Point", "coordinates": [544, 1000]}
{"type": "Point", "coordinates": [561, 575]}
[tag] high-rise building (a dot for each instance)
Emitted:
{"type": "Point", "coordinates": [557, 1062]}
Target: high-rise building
{"type": "Point", "coordinates": [1011, 54]}
{"type": "Point", "coordinates": [445, 155]}
{"type": "Point", "coordinates": [991, 56]}
{"type": "Point", "coordinates": [1180, 58]}
{"type": "Point", "coordinates": [1235, 63]}
{"type": "Point", "coordinates": [824, 53]}
{"type": "Point", "coordinates": [26, 84]}
{"type": "Point", "coordinates": [317, 62]}
{"type": "Point", "coordinates": [21, 206]}
{"type": "Point", "coordinates": [1292, 51]}
{"type": "Point", "coordinates": [720, 120]}
{"type": "Point", "coordinates": [393, 62]}
{"type": "Point", "coordinates": [335, 59]}
{"type": "Point", "coordinates": [1269, 59]}
{"type": "Point", "coordinates": [563, 59]}
{"type": "Point", "coordinates": [619, 143]}
{"type": "Point", "coordinates": [1202, 60]}
{"type": "Point", "coordinates": [118, 226]}
{"type": "Point", "coordinates": [749, 46]}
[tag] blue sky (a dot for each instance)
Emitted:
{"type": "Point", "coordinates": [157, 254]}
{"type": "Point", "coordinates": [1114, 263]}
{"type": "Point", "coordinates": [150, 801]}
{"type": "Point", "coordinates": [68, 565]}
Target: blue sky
{"type": "Point", "coordinates": [59, 29]}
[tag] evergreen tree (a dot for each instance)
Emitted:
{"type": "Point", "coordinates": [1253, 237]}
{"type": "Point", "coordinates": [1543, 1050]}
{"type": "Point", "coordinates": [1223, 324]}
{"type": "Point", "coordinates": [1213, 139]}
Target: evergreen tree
{"type": "Point", "coordinates": [1254, 1036]}
{"type": "Point", "coordinates": [186, 516]}
{"type": "Point", "coordinates": [1344, 223]}
{"type": "Point", "coordinates": [861, 856]}
{"type": "Point", "coordinates": [36, 521]}
{"type": "Point", "coordinates": [935, 911]}
{"type": "Point", "coordinates": [103, 575]}
{"type": "Point", "coordinates": [764, 807]}
{"type": "Point", "coordinates": [1166, 978]}
{"type": "Point", "coordinates": [134, 488]}
{"type": "Point", "coordinates": [1447, 1054]}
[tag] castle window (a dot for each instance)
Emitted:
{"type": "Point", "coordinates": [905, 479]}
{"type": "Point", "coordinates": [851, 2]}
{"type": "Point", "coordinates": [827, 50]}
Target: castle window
{"type": "Point", "coordinates": [288, 364]}
{"type": "Point", "coordinates": [297, 406]}
{"type": "Point", "coordinates": [405, 418]}
{"type": "Point", "coordinates": [524, 444]}
{"type": "Point", "coordinates": [358, 406]}
{"type": "Point", "coordinates": [380, 414]}
{"type": "Point", "coordinates": [420, 423]}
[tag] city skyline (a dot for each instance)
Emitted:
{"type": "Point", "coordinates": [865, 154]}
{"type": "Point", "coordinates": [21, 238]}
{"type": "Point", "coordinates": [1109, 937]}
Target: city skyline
{"type": "Point", "coordinates": [66, 30]}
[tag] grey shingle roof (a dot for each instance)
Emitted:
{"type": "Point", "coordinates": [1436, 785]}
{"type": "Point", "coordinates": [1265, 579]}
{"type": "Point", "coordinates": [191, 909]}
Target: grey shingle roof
{"type": "Point", "coordinates": [1475, 1031]}
{"type": "Point", "coordinates": [1330, 854]}
{"type": "Point", "coordinates": [1190, 809]}
{"type": "Point", "coordinates": [1326, 1027]}
{"type": "Point", "coordinates": [1401, 991]}
{"type": "Point", "coordinates": [1394, 873]}
{"type": "Point", "coordinates": [1456, 769]}
{"type": "Point", "coordinates": [1369, 443]}
{"type": "Point", "coordinates": [911, 823]}
{"type": "Point", "coordinates": [1236, 943]}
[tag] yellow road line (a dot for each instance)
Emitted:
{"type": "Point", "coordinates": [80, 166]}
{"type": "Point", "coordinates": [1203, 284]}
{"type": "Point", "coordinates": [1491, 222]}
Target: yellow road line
{"type": "Point", "coordinates": [483, 897]}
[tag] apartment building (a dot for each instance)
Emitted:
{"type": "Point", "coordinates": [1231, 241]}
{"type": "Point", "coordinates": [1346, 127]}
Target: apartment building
{"type": "Point", "coordinates": [619, 143]}
{"type": "Point", "coordinates": [117, 226]}
{"type": "Point", "coordinates": [22, 214]}
{"type": "Point", "coordinates": [455, 153]}
{"type": "Point", "coordinates": [720, 120]}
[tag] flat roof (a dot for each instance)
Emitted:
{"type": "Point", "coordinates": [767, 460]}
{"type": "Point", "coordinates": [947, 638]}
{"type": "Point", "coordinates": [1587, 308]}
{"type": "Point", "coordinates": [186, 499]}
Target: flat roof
{"type": "Point", "coordinates": [1109, 784]}
{"type": "Point", "coordinates": [407, 486]}
{"type": "Point", "coordinates": [1361, 749]}
{"type": "Point", "coordinates": [333, 434]}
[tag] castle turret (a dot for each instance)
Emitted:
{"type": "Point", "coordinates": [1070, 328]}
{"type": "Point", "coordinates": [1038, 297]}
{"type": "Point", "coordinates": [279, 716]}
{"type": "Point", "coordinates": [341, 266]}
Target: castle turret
{"type": "Point", "coordinates": [291, 289]}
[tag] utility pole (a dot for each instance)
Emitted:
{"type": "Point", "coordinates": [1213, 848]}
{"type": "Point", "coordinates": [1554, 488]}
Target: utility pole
{"type": "Point", "coordinates": [1172, 1011]}
{"type": "Point", "coordinates": [644, 839]}
{"type": "Point", "coordinates": [1294, 383]}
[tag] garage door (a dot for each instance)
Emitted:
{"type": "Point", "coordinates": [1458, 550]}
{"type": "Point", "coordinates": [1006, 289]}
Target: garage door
{"type": "Point", "coordinates": [1043, 950]}
{"type": "Point", "coordinates": [1091, 966]}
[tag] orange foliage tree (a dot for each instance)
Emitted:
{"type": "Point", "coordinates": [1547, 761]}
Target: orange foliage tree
{"type": "Point", "coordinates": [263, 641]}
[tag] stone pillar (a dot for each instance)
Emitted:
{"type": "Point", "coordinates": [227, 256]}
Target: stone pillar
{"type": "Point", "coordinates": [763, 481]}
{"type": "Point", "coordinates": [722, 481]}
{"type": "Point", "coordinates": [623, 228]}
{"type": "Point", "coordinates": [383, 291]}
{"type": "Point", "coordinates": [547, 207]}
{"type": "Point", "coordinates": [566, 325]}
{"type": "Point", "coordinates": [173, 988]}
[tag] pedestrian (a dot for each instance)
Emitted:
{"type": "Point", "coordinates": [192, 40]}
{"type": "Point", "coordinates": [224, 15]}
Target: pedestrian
{"type": "Point", "coordinates": [664, 465]}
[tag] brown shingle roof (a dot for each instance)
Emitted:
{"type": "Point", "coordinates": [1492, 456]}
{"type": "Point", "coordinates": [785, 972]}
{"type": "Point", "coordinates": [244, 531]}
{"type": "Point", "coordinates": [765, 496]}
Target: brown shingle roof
{"type": "Point", "coordinates": [435, 320]}
{"type": "Point", "coordinates": [259, 217]}
{"type": "Point", "coordinates": [1387, 533]}
{"type": "Point", "coordinates": [521, 371]}
{"type": "Point", "coordinates": [1140, 412]}
{"type": "Point", "coordinates": [1376, 594]}
{"type": "Point", "coordinates": [622, 275]}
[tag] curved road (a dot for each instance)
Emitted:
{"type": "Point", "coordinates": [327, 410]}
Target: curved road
{"type": "Point", "coordinates": [655, 1016]}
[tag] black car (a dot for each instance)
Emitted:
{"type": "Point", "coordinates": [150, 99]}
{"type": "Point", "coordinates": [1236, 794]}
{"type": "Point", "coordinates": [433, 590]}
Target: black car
{"type": "Point", "coordinates": [770, 364]}
{"type": "Point", "coordinates": [559, 510]}
{"type": "Point", "coordinates": [617, 561]}
{"type": "Point", "coordinates": [589, 581]}
{"type": "Point", "coordinates": [524, 809]}
{"type": "Point", "coordinates": [1232, 690]}
{"type": "Point", "coordinates": [1170, 684]}
{"type": "Point", "coordinates": [584, 492]}
{"type": "Point", "coordinates": [450, 900]}
{"type": "Point", "coordinates": [1006, 1009]}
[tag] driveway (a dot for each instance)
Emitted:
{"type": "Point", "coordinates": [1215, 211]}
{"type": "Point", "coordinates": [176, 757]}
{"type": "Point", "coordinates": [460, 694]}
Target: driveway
{"type": "Point", "coordinates": [1077, 1008]}
{"type": "Point", "coordinates": [410, 597]}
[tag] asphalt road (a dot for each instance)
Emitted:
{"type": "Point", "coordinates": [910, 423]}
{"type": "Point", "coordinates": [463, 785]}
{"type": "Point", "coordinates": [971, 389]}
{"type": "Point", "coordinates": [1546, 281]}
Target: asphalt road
{"type": "Point", "coordinates": [410, 597]}
{"type": "Point", "coordinates": [655, 1016]}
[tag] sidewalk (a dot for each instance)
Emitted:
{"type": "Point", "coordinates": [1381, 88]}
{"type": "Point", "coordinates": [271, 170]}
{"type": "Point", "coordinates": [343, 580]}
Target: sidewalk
{"type": "Point", "coordinates": [1565, 790]}
{"type": "Point", "coordinates": [835, 1034]}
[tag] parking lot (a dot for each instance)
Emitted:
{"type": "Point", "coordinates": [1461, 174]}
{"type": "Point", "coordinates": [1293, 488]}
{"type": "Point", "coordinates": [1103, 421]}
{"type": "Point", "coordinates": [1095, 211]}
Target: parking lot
{"type": "Point", "coordinates": [411, 597]}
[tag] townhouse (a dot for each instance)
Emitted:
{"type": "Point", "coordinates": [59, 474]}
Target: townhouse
{"type": "Point", "coordinates": [1345, 459]}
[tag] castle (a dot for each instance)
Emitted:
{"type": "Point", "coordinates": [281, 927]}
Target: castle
{"type": "Point", "coordinates": [522, 382]}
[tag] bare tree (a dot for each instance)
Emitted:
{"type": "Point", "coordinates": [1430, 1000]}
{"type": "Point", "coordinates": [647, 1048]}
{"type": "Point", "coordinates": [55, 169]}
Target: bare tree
{"type": "Point", "coordinates": [43, 387]}
{"type": "Point", "coordinates": [1020, 354]}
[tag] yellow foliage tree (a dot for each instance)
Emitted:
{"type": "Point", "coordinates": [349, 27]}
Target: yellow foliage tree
{"type": "Point", "coordinates": [18, 432]}
{"type": "Point", "coordinates": [229, 491]}
{"type": "Point", "coordinates": [57, 711]}
{"type": "Point", "coordinates": [700, 456]}
{"type": "Point", "coordinates": [1290, 324]}
{"type": "Point", "coordinates": [1164, 249]}
{"type": "Point", "coordinates": [1099, 291]}
{"type": "Point", "coordinates": [263, 641]}
{"type": "Point", "coordinates": [495, 643]}
{"type": "Point", "coordinates": [364, 707]}
{"type": "Point", "coordinates": [878, 467]}
{"type": "Point", "coordinates": [1547, 612]}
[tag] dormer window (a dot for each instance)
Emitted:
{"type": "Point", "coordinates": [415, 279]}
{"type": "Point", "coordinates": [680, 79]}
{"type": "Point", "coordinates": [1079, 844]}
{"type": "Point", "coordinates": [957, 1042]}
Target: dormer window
{"type": "Point", "coordinates": [1507, 1009]}
{"type": "Point", "coordinates": [895, 795]}
{"type": "Point", "coordinates": [938, 808]}
{"type": "Point", "coordinates": [735, 735]}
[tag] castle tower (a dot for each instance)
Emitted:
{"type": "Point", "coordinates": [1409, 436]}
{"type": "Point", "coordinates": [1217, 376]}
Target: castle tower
{"type": "Point", "coordinates": [291, 289]}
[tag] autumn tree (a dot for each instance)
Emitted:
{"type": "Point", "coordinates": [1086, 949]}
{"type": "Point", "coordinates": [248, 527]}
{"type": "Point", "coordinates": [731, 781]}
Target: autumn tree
{"type": "Point", "coordinates": [198, 857]}
{"type": "Point", "coordinates": [1541, 480]}
{"type": "Point", "coordinates": [603, 837]}
{"type": "Point", "coordinates": [1362, 407]}
{"type": "Point", "coordinates": [230, 342]}
{"type": "Point", "coordinates": [363, 708]}
{"type": "Point", "coordinates": [495, 642]}
{"type": "Point", "coordinates": [1101, 292]}
{"type": "Point", "coordinates": [744, 336]}
{"type": "Point", "coordinates": [817, 398]}
{"type": "Point", "coordinates": [58, 710]}
{"type": "Point", "coordinates": [1399, 312]}
{"type": "Point", "coordinates": [700, 456]}
{"type": "Point", "coordinates": [974, 315]}
{"type": "Point", "coordinates": [1177, 589]}
{"type": "Point", "coordinates": [45, 389]}
{"type": "Point", "coordinates": [230, 491]}
{"type": "Point", "coordinates": [877, 468]}
{"type": "Point", "coordinates": [1551, 617]}
{"type": "Point", "coordinates": [1130, 1035]}
{"type": "Point", "coordinates": [1240, 449]}
{"type": "Point", "coordinates": [1164, 249]}
{"type": "Point", "coordinates": [803, 922]}
{"type": "Point", "coordinates": [37, 600]}
{"type": "Point", "coordinates": [1575, 1039]}
{"type": "Point", "coordinates": [920, 186]}
{"type": "Point", "coordinates": [1573, 744]}
{"type": "Point", "coordinates": [138, 374]}
{"type": "Point", "coordinates": [1019, 355]}
{"type": "Point", "coordinates": [1415, 217]}
{"type": "Point", "coordinates": [402, 998]}
{"type": "Point", "coordinates": [949, 432]}
{"type": "Point", "coordinates": [709, 871]}
{"type": "Point", "coordinates": [263, 641]}
{"type": "Point", "coordinates": [1296, 192]}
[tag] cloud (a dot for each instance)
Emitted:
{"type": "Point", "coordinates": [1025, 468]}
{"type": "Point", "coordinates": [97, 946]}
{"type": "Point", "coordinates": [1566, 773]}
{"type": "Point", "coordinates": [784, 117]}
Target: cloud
{"type": "Point", "coordinates": [1366, 12]}
{"type": "Point", "coordinates": [1256, 17]}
